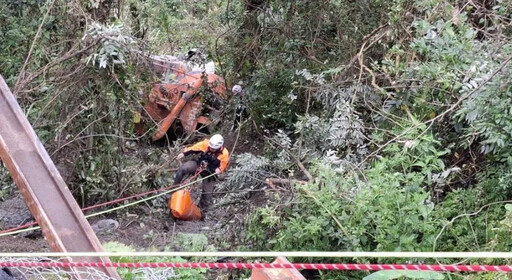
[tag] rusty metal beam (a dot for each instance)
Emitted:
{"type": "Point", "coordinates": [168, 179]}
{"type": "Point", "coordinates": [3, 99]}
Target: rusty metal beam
{"type": "Point", "coordinates": [47, 196]}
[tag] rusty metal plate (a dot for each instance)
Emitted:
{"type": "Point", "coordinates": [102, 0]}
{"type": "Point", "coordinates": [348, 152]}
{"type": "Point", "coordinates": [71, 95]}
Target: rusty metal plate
{"type": "Point", "coordinates": [49, 199]}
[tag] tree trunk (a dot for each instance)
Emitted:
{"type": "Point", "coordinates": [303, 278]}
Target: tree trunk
{"type": "Point", "coordinates": [250, 33]}
{"type": "Point", "coordinates": [102, 13]}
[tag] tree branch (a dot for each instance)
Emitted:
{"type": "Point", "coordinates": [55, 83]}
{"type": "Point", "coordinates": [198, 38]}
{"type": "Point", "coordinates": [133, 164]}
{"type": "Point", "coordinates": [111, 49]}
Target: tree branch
{"type": "Point", "coordinates": [38, 34]}
{"type": "Point", "coordinates": [440, 116]}
{"type": "Point", "coordinates": [299, 163]}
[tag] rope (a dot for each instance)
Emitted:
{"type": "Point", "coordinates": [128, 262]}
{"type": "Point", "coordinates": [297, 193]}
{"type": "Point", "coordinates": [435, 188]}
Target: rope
{"type": "Point", "coordinates": [430, 255]}
{"type": "Point", "coordinates": [31, 226]}
{"type": "Point", "coordinates": [28, 227]}
{"type": "Point", "coordinates": [317, 266]}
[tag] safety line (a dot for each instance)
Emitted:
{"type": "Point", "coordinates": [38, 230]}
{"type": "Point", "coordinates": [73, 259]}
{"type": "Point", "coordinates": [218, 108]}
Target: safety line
{"type": "Point", "coordinates": [316, 266]}
{"type": "Point", "coordinates": [24, 229]}
{"type": "Point", "coordinates": [433, 255]}
{"type": "Point", "coordinates": [28, 227]}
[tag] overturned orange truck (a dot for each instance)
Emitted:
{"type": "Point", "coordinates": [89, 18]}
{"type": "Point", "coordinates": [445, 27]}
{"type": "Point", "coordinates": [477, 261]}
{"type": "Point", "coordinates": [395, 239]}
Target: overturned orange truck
{"type": "Point", "coordinates": [189, 102]}
{"type": "Point", "coordinates": [190, 99]}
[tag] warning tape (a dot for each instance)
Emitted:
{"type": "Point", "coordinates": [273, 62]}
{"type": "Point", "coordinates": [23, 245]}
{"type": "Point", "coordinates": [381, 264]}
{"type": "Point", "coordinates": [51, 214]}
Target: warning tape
{"type": "Point", "coordinates": [316, 266]}
{"type": "Point", "coordinates": [256, 254]}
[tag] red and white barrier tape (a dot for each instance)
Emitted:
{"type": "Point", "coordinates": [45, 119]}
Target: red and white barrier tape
{"type": "Point", "coordinates": [273, 254]}
{"type": "Point", "coordinates": [317, 266]}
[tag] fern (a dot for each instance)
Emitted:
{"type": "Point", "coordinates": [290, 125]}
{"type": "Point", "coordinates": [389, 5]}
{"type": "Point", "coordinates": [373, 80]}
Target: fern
{"type": "Point", "coordinates": [346, 128]}
{"type": "Point", "coordinates": [115, 43]}
{"type": "Point", "coordinates": [248, 175]}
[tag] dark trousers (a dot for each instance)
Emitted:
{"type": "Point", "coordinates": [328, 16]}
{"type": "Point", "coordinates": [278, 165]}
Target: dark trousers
{"type": "Point", "coordinates": [189, 168]}
{"type": "Point", "coordinates": [241, 114]}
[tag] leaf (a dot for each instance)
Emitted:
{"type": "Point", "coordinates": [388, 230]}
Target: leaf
{"type": "Point", "coordinates": [508, 207]}
{"type": "Point", "coordinates": [424, 275]}
{"type": "Point", "coordinates": [424, 210]}
{"type": "Point", "coordinates": [395, 274]}
{"type": "Point", "coordinates": [384, 275]}
{"type": "Point", "coordinates": [472, 115]}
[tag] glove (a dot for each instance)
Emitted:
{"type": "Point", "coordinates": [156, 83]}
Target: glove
{"type": "Point", "coordinates": [180, 156]}
{"type": "Point", "coordinates": [217, 171]}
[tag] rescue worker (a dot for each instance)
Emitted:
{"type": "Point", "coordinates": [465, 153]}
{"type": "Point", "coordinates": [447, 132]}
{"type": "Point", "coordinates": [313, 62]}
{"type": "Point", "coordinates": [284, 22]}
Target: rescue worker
{"type": "Point", "coordinates": [241, 112]}
{"type": "Point", "coordinates": [191, 53]}
{"type": "Point", "coordinates": [212, 153]}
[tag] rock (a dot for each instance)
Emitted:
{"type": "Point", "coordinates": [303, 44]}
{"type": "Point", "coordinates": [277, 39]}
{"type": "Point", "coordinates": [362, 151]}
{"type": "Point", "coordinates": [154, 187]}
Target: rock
{"type": "Point", "coordinates": [5, 274]}
{"type": "Point", "coordinates": [105, 226]}
{"type": "Point", "coordinates": [13, 213]}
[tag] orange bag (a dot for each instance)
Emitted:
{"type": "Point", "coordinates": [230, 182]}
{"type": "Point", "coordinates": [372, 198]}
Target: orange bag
{"type": "Point", "coordinates": [182, 206]}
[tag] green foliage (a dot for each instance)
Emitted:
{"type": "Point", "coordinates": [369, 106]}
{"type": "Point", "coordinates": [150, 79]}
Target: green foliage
{"type": "Point", "coordinates": [270, 99]}
{"type": "Point", "coordinates": [338, 126]}
{"type": "Point", "coordinates": [448, 52]}
{"type": "Point", "coordinates": [399, 274]}
{"type": "Point", "coordinates": [6, 183]}
{"type": "Point", "coordinates": [192, 242]}
{"type": "Point", "coordinates": [384, 102]}
{"type": "Point", "coordinates": [115, 43]}
{"type": "Point", "coordinates": [97, 130]}
{"type": "Point", "coordinates": [387, 207]}
{"type": "Point", "coordinates": [488, 276]}
{"type": "Point", "coordinates": [19, 22]}
{"type": "Point", "coordinates": [129, 274]}
{"type": "Point", "coordinates": [244, 175]}
{"type": "Point", "coordinates": [170, 26]}
{"type": "Point", "coordinates": [276, 39]}
{"type": "Point", "coordinates": [351, 214]}
{"type": "Point", "coordinates": [486, 223]}
{"type": "Point", "coordinates": [488, 113]}
{"type": "Point", "coordinates": [450, 58]}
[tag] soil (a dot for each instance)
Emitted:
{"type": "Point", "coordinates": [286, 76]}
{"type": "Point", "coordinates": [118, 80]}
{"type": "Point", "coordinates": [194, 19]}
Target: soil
{"type": "Point", "coordinates": [146, 227]}
{"type": "Point", "coordinates": [13, 244]}
{"type": "Point", "coordinates": [149, 229]}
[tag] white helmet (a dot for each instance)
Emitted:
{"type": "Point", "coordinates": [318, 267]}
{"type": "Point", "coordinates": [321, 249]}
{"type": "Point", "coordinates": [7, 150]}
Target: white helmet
{"type": "Point", "coordinates": [216, 142]}
{"type": "Point", "coordinates": [237, 89]}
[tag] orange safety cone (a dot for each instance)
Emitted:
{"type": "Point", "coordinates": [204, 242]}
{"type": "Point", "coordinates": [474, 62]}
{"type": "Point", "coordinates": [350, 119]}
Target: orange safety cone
{"type": "Point", "coordinates": [182, 206]}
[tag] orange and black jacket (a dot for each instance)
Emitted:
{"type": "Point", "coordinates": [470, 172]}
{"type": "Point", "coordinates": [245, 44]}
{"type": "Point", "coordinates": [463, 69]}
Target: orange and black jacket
{"type": "Point", "coordinates": [219, 159]}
